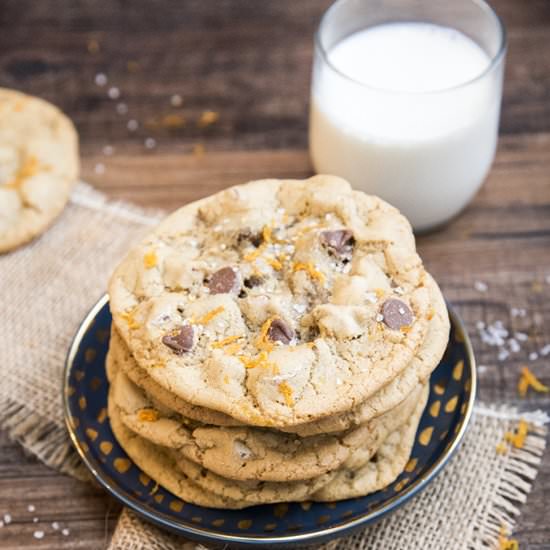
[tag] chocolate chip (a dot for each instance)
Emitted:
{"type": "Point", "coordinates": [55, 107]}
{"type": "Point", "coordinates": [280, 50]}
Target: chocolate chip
{"type": "Point", "coordinates": [279, 331]}
{"type": "Point", "coordinates": [396, 314]}
{"type": "Point", "coordinates": [253, 280]}
{"type": "Point", "coordinates": [224, 280]}
{"type": "Point", "coordinates": [182, 342]}
{"type": "Point", "coordinates": [339, 241]}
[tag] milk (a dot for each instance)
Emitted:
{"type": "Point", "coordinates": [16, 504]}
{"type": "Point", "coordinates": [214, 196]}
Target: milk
{"type": "Point", "coordinates": [399, 110]}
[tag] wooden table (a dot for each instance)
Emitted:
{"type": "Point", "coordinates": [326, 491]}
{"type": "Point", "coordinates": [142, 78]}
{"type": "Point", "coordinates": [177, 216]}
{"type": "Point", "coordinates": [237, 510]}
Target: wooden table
{"type": "Point", "coordinates": [250, 62]}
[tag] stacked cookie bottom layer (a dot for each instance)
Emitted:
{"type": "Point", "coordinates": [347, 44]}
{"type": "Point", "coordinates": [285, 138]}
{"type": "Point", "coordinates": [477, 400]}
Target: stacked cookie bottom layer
{"type": "Point", "coordinates": [210, 459]}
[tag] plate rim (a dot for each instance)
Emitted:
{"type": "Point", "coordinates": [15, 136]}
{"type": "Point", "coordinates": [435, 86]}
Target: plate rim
{"type": "Point", "coordinates": [173, 525]}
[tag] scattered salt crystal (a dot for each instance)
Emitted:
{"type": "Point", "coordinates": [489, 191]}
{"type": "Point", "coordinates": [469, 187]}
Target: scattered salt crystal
{"type": "Point", "coordinates": [533, 356]}
{"type": "Point", "coordinates": [399, 290]}
{"type": "Point", "coordinates": [176, 100]}
{"type": "Point", "coordinates": [371, 297]}
{"type": "Point", "coordinates": [113, 92]}
{"type": "Point", "coordinates": [379, 317]}
{"type": "Point", "coordinates": [100, 79]}
{"type": "Point", "coordinates": [31, 508]}
{"type": "Point", "coordinates": [517, 312]}
{"type": "Point", "coordinates": [108, 150]}
{"type": "Point", "coordinates": [55, 526]}
{"type": "Point", "coordinates": [65, 532]}
{"type": "Point", "coordinates": [401, 310]}
{"type": "Point", "coordinates": [480, 325]}
{"type": "Point", "coordinates": [150, 143]}
{"type": "Point", "coordinates": [99, 168]}
{"type": "Point", "coordinates": [545, 350]}
{"type": "Point", "coordinates": [503, 354]}
{"type": "Point", "coordinates": [481, 369]}
{"type": "Point", "coordinates": [7, 519]}
{"type": "Point", "coordinates": [480, 286]}
{"type": "Point", "coordinates": [121, 108]}
{"type": "Point", "coordinates": [521, 336]}
{"type": "Point", "coordinates": [132, 125]}
{"type": "Point", "coordinates": [38, 534]}
{"type": "Point", "coordinates": [514, 346]}
{"type": "Point", "coordinates": [35, 520]}
{"type": "Point", "coordinates": [338, 381]}
{"type": "Point", "coordinates": [299, 308]}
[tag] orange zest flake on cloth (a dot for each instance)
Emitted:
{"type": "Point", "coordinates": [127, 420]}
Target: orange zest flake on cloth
{"type": "Point", "coordinates": [528, 380]}
{"type": "Point", "coordinates": [309, 268]}
{"type": "Point", "coordinates": [504, 543]}
{"type": "Point", "coordinates": [150, 259]}
{"type": "Point", "coordinates": [516, 438]}
{"type": "Point", "coordinates": [148, 415]}
{"type": "Point", "coordinates": [286, 391]}
{"type": "Point", "coordinates": [207, 317]}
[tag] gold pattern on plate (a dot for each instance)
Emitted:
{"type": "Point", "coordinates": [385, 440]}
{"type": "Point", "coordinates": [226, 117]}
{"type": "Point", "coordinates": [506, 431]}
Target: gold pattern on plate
{"type": "Point", "coordinates": [144, 479]}
{"type": "Point", "coordinates": [70, 391]}
{"type": "Point", "coordinates": [176, 506]}
{"type": "Point", "coordinates": [105, 447]}
{"type": "Point", "coordinates": [270, 527]}
{"type": "Point", "coordinates": [411, 465]}
{"type": "Point", "coordinates": [347, 514]}
{"type": "Point", "coordinates": [102, 415]}
{"type": "Point", "coordinates": [84, 446]}
{"type": "Point", "coordinates": [450, 406]}
{"type": "Point", "coordinates": [426, 436]}
{"type": "Point", "coordinates": [322, 519]}
{"type": "Point", "coordinates": [463, 408]}
{"type": "Point", "coordinates": [196, 519]}
{"type": "Point", "coordinates": [102, 335]}
{"type": "Point", "coordinates": [75, 421]}
{"type": "Point", "coordinates": [468, 385]}
{"type": "Point", "coordinates": [95, 383]}
{"type": "Point", "coordinates": [91, 433]}
{"type": "Point", "coordinates": [244, 524]}
{"type": "Point", "coordinates": [218, 522]}
{"type": "Point", "coordinates": [79, 375]}
{"type": "Point", "coordinates": [122, 465]}
{"type": "Point", "coordinates": [331, 505]}
{"type": "Point", "coordinates": [82, 402]}
{"type": "Point", "coordinates": [439, 389]}
{"type": "Point", "coordinates": [399, 486]}
{"type": "Point", "coordinates": [305, 505]}
{"type": "Point", "coordinates": [159, 497]}
{"type": "Point", "coordinates": [459, 336]}
{"type": "Point", "coordinates": [458, 370]}
{"type": "Point", "coordinates": [280, 510]}
{"type": "Point", "coordinates": [90, 354]}
{"type": "Point", "coordinates": [435, 407]}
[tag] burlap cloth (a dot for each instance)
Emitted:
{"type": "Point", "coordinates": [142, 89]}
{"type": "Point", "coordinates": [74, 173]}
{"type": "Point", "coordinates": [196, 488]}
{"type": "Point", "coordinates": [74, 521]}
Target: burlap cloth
{"type": "Point", "coordinates": [49, 285]}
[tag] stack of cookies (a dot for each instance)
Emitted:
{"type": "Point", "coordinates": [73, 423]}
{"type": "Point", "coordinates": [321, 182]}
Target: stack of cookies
{"type": "Point", "coordinates": [274, 343]}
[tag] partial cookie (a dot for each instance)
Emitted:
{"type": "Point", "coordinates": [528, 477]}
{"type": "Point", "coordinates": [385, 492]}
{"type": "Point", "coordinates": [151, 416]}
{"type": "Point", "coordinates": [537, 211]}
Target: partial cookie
{"type": "Point", "coordinates": [391, 459]}
{"type": "Point", "coordinates": [38, 166]}
{"type": "Point", "coordinates": [277, 303]}
{"type": "Point", "coordinates": [388, 397]}
{"type": "Point", "coordinates": [159, 465]}
{"type": "Point", "coordinates": [248, 453]}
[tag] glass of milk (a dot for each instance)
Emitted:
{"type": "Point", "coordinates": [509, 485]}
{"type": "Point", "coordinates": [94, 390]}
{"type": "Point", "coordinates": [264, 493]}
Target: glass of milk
{"type": "Point", "coordinates": [405, 101]}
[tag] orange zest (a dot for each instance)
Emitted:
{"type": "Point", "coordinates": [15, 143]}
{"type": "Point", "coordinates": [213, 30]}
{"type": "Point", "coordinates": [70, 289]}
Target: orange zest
{"type": "Point", "coordinates": [252, 362]}
{"type": "Point", "coordinates": [286, 391]}
{"type": "Point", "coordinates": [150, 259]}
{"type": "Point", "coordinates": [528, 380]}
{"type": "Point", "coordinates": [128, 316]}
{"type": "Point", "coordinates": [229, 340]}
{"type": "Point", "coordinates": [148, 415]}
{"type": "Point", "coordinates": [207, 317]}
{"type": "Point", "coordinates": [309, 268]}
{"type": "Point", "coordinates": [263, 342]}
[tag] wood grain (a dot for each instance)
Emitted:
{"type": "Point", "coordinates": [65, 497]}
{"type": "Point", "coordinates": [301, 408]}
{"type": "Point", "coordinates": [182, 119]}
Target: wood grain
{"type": "Point", "coordinates": [250, 62]}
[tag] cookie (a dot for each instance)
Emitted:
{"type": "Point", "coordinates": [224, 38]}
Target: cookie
{"type": "Point", "coordinates": [276, 303]}
{"type": "Point", "coordinates": [385, 399]}
{"type": "Point", "coordinates": [38, 166]}
{"type": "Point", "coordinates": [385, 467]}
{"type": "Point", "coordinates": [159, 465]}
{"type": "Point", "coordinates": [248, 453]}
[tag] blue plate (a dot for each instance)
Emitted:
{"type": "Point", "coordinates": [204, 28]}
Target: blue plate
{"type": "Point", "coordinates": [452, 393]}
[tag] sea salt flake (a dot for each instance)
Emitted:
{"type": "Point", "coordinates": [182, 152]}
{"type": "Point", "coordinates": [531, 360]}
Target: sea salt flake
{"type": "Point", "coordinates": [480, 325]}
{"type": "Point", "coordinates": [7, 519]}
{"type": "Point", "coordinates": [521, 336]}
{"type": "Point", "coordinates": [533, 356]}
{"type": "Point", "coordinates": [513, 345]}
{"type": "Point", "coordinates": [55, 525]}
{"type": "Point", "coordinates": [31, 508]}
{"type": "Point", "coordinates": [132, 125]}
{"type": "Point", "coordinates": [399, 290]}
{"type": "Point", "coordinates": [113, 92]}
{"type": "Point", "coordinates": [100, 79]}
{"type": "Point", "coordinates": [121, 108]}
{"type": "Point", "coordinates": [481, 369]}
{"type": "Point", "coordinates": [176, 100]}
{"type": "Point", "coordinates": [371, 297]}
{"type": "Point", "coordinates": [379, 317]}
{"type": "Point", "coordinates": [480, 286]}
{"type": "Point", "coordinates": [38, 534]}
{"type": "Point", "coordinates": [545, 350]}
{"type": "Point", "coordinates": [35, 520]}
{"type": "Point", "coordinates": [65, 532]}
{"type": "Point", "coordinates": [503, 354]}
{"type": "Point", "coordinates": [150, 143]}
